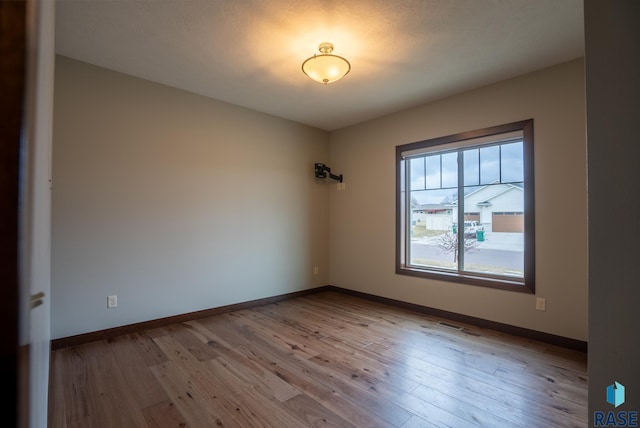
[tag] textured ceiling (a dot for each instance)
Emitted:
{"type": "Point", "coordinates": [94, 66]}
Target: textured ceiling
{"type": "Point", "coordinates": [249, 52]}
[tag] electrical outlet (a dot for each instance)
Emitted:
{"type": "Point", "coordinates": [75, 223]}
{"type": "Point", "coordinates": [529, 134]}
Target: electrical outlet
{"type": "Point", "coordinates": [112, 301]}
{"type": "Point", "coordinates": [541, 304]}
{"type": "Point", "coordinates": [315, 270]}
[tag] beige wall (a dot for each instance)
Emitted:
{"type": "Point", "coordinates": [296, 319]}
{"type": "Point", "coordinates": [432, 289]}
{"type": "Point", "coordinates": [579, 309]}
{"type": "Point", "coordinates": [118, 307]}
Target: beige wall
{"type": "Point", "coordinates": [176, 202]}
{"type": "Point", "coordinates": [362, 222]}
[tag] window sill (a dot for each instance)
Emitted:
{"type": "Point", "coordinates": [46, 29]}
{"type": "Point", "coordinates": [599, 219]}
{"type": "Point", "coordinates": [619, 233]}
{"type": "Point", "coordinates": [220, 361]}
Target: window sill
{"type": "Point", "coordinates": [468, 279]}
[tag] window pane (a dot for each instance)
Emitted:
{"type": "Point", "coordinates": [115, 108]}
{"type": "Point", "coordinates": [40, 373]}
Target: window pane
{"type": "Point", "coordinates": [450, 170]}
{"type": "Point", "coordinates": [489, 165]}
{"type": "Point", "coordinates": [417, 173]}
{"type": "Point", "coordinates": [433, 172]}
{"type": "Point", "coordinates": [495, 245]}
{"type": "Point", "coordinates": [433, 242]}
{"type": "Point", "coordinates": [471, 170]}
{"type": "Point", "coordinates": [512, 162]}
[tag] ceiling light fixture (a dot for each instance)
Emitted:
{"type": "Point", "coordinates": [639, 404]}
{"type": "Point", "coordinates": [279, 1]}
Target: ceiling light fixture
{"type": "Point", "coordinates": [326, 67]}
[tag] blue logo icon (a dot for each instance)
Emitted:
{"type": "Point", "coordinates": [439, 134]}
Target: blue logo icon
{"type": "Point", "coordinates": [615, 394]}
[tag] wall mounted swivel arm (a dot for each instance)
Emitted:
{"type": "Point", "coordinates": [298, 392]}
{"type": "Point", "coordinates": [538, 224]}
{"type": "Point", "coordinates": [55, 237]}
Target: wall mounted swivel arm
{"type": "Point", "coordinates": [321, 171]}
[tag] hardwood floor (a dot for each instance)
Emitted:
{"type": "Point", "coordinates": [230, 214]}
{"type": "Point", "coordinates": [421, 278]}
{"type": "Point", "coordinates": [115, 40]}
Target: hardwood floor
{"type": "Point", "coordinates": [324, 360]}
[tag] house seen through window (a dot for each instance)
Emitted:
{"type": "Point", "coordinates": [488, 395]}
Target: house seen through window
{"type": "Point", "coordinates": [465, 207]}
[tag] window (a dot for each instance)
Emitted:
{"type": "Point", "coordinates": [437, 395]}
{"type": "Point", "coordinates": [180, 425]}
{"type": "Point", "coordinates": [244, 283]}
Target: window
{"type": "Point", "coordinates": [482, 180]}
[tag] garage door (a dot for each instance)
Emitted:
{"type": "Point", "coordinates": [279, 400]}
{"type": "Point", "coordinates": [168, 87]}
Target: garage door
{"type": "Point", "coordinates": [472, 217]}
{"type": "Point", "coordinates": [508, 221]}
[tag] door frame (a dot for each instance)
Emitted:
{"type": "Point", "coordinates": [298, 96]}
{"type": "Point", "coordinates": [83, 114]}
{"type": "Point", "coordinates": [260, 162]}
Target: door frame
{"type": "Point", "coordinates": [14, 363]}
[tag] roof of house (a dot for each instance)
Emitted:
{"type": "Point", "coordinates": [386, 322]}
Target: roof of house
{"type": "Point", "coordinates": [509, 187]}
{"type": "Point", "coordinates": [430, 207]}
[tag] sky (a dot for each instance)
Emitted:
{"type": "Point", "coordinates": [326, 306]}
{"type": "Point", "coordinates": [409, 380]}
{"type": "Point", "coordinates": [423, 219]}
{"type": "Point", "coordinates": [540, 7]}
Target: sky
{"type": "Point", "coordinates": [434, 177]}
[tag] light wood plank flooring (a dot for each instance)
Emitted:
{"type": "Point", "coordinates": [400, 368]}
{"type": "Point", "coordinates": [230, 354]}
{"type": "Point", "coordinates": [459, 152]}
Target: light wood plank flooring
{"type": "Point", "coordinates": [324, 360]}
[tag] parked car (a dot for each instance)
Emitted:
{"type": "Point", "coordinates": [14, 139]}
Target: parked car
{"type": "Point", "coordinates": [471, 228]}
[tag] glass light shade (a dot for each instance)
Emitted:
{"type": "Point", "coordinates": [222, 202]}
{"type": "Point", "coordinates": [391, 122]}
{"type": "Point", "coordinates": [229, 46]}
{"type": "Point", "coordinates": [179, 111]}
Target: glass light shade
{"type": "Point", "coordinates": [326, 67]}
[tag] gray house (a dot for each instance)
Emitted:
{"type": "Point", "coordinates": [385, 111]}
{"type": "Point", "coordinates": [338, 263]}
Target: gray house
{"type": "Point", "coordinates": [499, 207]}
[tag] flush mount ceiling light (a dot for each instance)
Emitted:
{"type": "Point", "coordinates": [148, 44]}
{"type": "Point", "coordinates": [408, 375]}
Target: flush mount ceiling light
{"type": "Point", "coordinates": [326, 67]}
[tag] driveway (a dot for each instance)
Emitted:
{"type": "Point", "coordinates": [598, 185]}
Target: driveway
{"type": "Point", "coordinates": [499, 250]}
{"type": "Point", "coordinates": [492, 241]}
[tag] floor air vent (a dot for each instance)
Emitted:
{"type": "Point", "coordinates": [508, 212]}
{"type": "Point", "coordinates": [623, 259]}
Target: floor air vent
{"type": "Point", "coordinates": [453, 326]}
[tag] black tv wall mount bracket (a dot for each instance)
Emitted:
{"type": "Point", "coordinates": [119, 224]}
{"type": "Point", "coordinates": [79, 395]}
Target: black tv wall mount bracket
{"type": "Point", "coordinates": [321, 171]}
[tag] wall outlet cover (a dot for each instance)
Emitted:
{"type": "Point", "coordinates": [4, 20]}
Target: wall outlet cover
{"type": "Point", "coordinates": [112, 301]}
